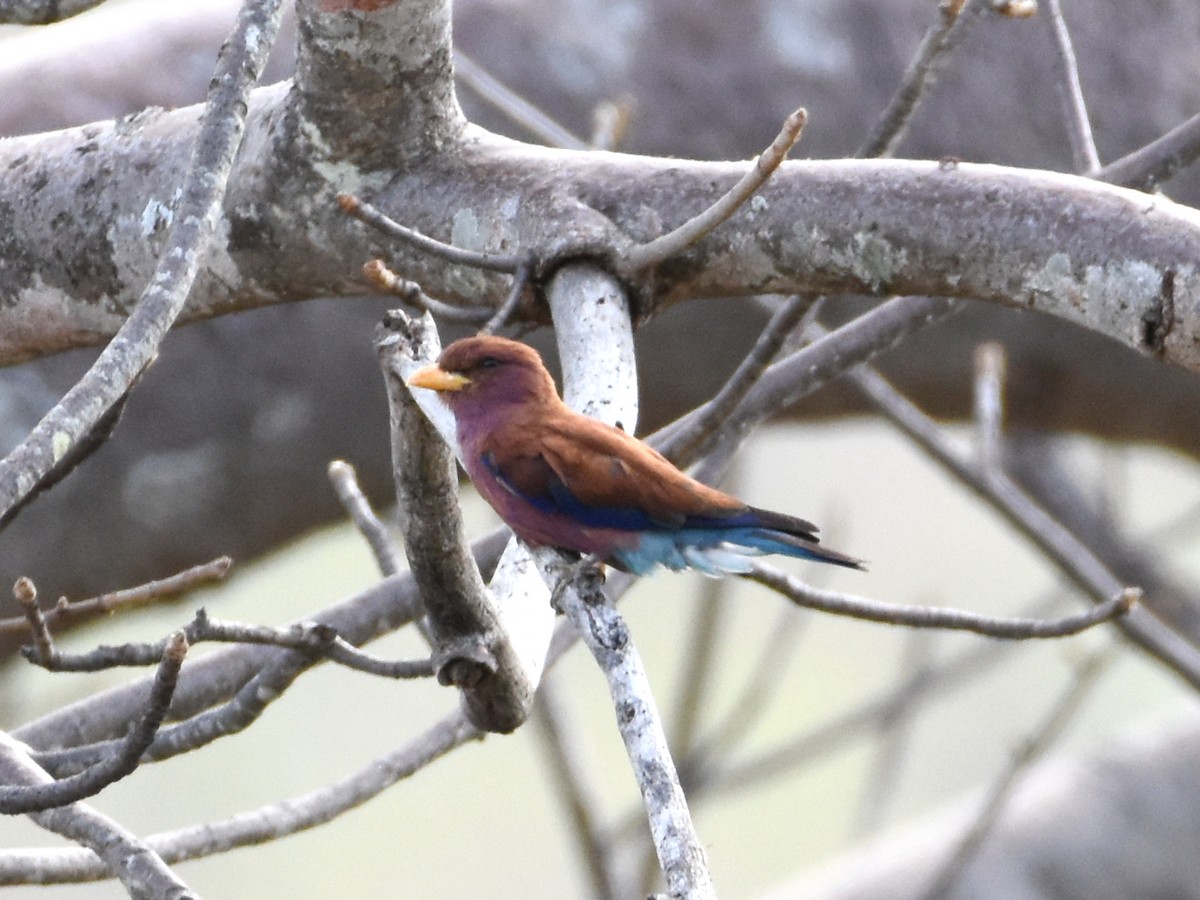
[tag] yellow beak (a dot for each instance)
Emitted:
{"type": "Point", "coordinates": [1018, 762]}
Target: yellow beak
{"type": "Point", "coordinates": [437, 379]}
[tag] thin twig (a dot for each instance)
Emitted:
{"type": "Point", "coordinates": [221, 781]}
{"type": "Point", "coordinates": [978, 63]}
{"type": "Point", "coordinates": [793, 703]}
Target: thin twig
{"type": "Point", "coordinates": [708, 773]}
{"type": "Point", "coordinates": [1086, 676]}
{"type": "Point", "coordinates": [513, 105]}
{"type": "Point", "coordinates": [308, 637]}
{"type": "Point", "coordinates": [1066, 69]}
{"type": "Point", "coordinates": [1160, 160]}
{"type": "Point", "coordinates": [16, 799]}
{"type": "Point", "coordinates": [943, 36]}
{"type": "Point", "coordinates": [710, 418]}
{"type": "Point", "coordinates": [345, 484]}
{"type": "Point", "coordinates": [699, 665]}
{"type": "Point", "coordinates": [1015, 9]}
{"type": "Point", "coordinates": [25, 593]}
{"type": "Point", "coordinates": [376, 272]}
{"type": "Point", "coordinates": [610, 121]}
{"type": "Point", "coordinates": [939, 617]}
{"type": "Point", "coordinates": [504, 313]}
{"type": "Point", "coordinates": [267, 823]}
{"type": "Point", "coordinates": [65, 610]}
{"type": "Point", "coordinates": [782, 644]}
{"type": "Point", "coordinates": [883, 782]}
{"type": "Point", "coordinates": [195, 220]}
{"type": "Point", "coordinates": [801, 373]}
{"type": "Point", "coordinates": [833, 736]}
{"type": "Point", "coordinates": [1058, 543]}
{"type": "Point", "coordinates": [313, 638]}
{"type": "Point", "coordinates": [662, 248]}
{"type": "Point", "coordinates": [112, 851]}
{"type": "Point", "coordinates": [237, 714]}
{"type": "Point", "coordinates": [459, 256]}
{"type": "Point", "coordinates": [379, 609]}
{"type": "Point", "coordinates": [346, 654]}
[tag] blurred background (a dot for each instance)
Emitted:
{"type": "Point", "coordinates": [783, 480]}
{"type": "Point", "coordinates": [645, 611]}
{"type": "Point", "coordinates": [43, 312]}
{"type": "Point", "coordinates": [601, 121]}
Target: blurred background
{"type": "Point", "coordinates": [223, 450]}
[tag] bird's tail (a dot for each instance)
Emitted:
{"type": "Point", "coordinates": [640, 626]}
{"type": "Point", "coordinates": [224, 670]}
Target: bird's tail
{"type": "Point", "coordinates": [772, 532]}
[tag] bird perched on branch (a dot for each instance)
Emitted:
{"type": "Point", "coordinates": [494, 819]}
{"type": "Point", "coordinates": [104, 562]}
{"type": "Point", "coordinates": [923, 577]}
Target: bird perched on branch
{"type": "Point", "coordinates": [564, 480]}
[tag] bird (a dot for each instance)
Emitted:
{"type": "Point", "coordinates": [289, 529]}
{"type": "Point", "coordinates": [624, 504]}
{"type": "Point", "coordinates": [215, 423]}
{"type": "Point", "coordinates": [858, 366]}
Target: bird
{"type": "Point", "coordinates": [562, 479]}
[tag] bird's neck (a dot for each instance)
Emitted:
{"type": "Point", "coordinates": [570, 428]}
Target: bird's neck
{"type": "Point", "coordinates": [479, 420]}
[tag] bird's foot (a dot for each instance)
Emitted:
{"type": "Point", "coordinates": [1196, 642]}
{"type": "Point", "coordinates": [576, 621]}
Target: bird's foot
{"type": "Point", "coordinates": [586, 576]}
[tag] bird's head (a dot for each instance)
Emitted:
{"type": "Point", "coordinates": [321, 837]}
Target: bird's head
{"type": "Point", "coordinates": [487, 372]}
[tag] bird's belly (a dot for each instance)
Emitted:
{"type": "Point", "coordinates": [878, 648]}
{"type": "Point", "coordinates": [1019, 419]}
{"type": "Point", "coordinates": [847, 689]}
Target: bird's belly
{"type": "Point", "coordinates": [552, 528]}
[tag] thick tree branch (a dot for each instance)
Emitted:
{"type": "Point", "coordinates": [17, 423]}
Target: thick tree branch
{"type": "Point", "coordinates": [194, 219]}
{"type": "Point", "coordinates": [114, 851]}
{"type": "Point", "coordinates": [22, 799]}
{"type": "Point", "coordinates": [595, 337]}
{"type": "Point", "coordinates": [1118, 262]}
{"type": "Point", "coordinates": [258, 825]}
{"type": "Point", "coordinates": [42, 12]}
{"type": "Point", "coordinates": [470, 640]}
{"type": "Point", "coordinates": [217, 677]}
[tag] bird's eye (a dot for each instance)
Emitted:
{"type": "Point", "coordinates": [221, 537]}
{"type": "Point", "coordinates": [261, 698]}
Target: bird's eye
{"type": "Point", "coordinates": [489, 362]}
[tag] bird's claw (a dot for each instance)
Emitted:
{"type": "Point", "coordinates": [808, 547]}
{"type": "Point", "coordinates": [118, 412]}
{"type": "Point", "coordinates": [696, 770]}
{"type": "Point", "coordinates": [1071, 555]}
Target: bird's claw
{"type": "Point", "coordinates": [585, 575]}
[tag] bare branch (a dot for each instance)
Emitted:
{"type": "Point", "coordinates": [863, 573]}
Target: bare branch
{"type": "Point", "coordinates": [1079, 128]}
{"type": "Point", "coordinates": [237, 714]}
{"type": "Point", "coordinates": [215, 678]}
{"type": "Point", "coordinates": [25, 593]}
{"type": "Point", "coordinates": [195, 217]}
{"type": "Point", "coordinates": [699, 666]}
{"type": "Point", "coordinates": [42, 12]}
{"type": "Point", "coordinates": [680, 853]}
{"type": "Point", "coordinates": [683, 444]}
{"type": "Point", "coordinates": [267, 823]}
{"type": "Point", "coordinates": [868, 226]}
{"type": "Point", "coordinates": [938, 617]}
{"type": "Point", "coordinates": [989, 405]}
{"type": "Point", "coordinates": [885, 780]}
{"type": "Point", "coordinates": [471, 645]}
{"type": "Point", "coordinates": [513, 105]}
{"type": "Point", "coordinates": [563, 754]}
{"type": "Point", "coordinates": [652, 253]}
{"type": "Point", "coordinates": [345, 484]}
{"type": "Point", "coordinates": [365, 212]}
{"type": "Point", "coordinates": [954, 18]}
{"type": "Point", "coordinates": [378, 274]}
{"type": "Point", "coordinates": [65, 610]}
{"type": "Point", "coordinates": [112, 850]}
{"type": "Point", "coordinates": [595, 337]}
{"type": "Point", "coordinates": [1086, 676]}
{"type": "Point", "coordinates": [1147, 167]}
{"type": "Point", "coordinates": [520, 282]}
{"type": "Point", "coordinates": [807, 370]}
{"type": "Point", "coordinates": [610, 122]}
{"type": "Point", "coordinates": [26, 799]}
{"type": "Point", "coordinates": [1059, 544]}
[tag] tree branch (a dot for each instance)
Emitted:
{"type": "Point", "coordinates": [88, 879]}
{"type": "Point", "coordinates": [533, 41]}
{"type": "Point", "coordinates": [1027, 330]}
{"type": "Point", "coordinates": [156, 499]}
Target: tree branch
{"type": "Point", "coordinates": [24, 799]}
{"type": "Point", "coordinates": [42, 12]}
{"type": "Point", "coordinates": [595, 338]}
{"type": "Point", "coordinates": [938, 617]}
{"type": "Point", "coordinates": [195, 219]}
{"type": "Point", "coordinates": [112, 850]}
{"type": "Point", "coordinates": [849, 226]}
{"type": "Point", "coordinates": [258, 825]}
{"type": "Point", "coordinates": [471, 643]}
